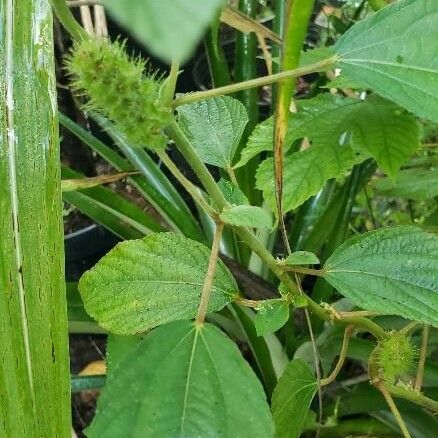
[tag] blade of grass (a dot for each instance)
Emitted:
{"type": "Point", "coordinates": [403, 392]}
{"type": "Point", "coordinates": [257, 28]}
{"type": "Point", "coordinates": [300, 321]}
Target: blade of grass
{"type": "Point", "coordinates": [34, 374]}
{"type": "Point", "coordinates": [152, 184]}
{"type": "Point", "coordinates": [116, 213]}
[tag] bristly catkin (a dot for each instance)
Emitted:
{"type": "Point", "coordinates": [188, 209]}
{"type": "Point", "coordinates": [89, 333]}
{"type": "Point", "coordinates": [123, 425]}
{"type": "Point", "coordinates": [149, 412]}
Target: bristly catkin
{"type": "Point", "coordinates": [120, 88]}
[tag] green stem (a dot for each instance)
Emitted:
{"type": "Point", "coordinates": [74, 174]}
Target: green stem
{"type": "Point", "coordinates": [422, 359]}
{"type": "Point", "coordinates": [342, 355]}
{"type": "Point", "coordinates": [171, 82]}
{"type": "Point", "coordinates": [413, 396]}
{"type": "Point", "coordinates": [258, 82]}
{"type": "Point", "coordinates": [305, 271]}
{"type": "Point", "coordinates": [395, 411]}
{"type": "Point", "coordinates": [208, 283]}
{"type": "Point", "coordinates": [68, 21]}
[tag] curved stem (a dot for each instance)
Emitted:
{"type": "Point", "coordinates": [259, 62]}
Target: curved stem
{"type": "Point", "coordinates": [342, 355]}
{"type": "Point", "coordinates": [208, 283]}
{"type": "Point", "coordinates": [258, 82]}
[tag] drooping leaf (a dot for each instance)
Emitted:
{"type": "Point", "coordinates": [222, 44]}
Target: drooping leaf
{"type": "Point", "coordinates": [144, 283]}
{"type": "Point", "coordinates": [271, 316]}
{"type": "Point", "coordinates": [414, 184]}
{"type": "Point", "coordinates": [169, 28]}
{"type": "Point", "coordinates": [214, 127]}
{"type": "Point", "coordinates": [302, 258]}
{"type": "Point", "coordinates": [305, 173]}
{"type": "Point", "coordinates": [182, 380]}
{"type": "Point", "coordinates": [291, 399]}
{"type": "Point", "coordinates": [395, 53]}
{"type": "Point", "coordinates": [392, 270]}
{"type": "Point", "coordinates": [247, 216]}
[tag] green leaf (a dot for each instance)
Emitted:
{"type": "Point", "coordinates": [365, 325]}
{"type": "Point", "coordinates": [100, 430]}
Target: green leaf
{"type": "Point", "coordinates": [305, 173]}
{"type": "Point", "coordinates": [182, 381]}
{"type": "Point", "coordinates": [414, 184]}
{"type": "Point", "coordinates": [395, 53]}
{"type": "Point", "coordinates": [169, 28]}
{"type": "Point", "coordinates": [271, 316]}
{"type": "Point", "coordinates": [392, 270]}
{"type": "Point", "coordinates": [144, 283]}
{"type": "Point", "coordinates": [291, 399]}
{"type": "Point", "coordinates": [232, 193]}
{"type": "Point", "coordinates": [34, 370]}
{"type": "Point", "coordinates": [302, 258]}
{"type": "Point", "coordinates": [247, 216]}
{"type": "Point", "coordinates": [373, 127]}
{"type": "Point", "coordinates": [214, 127]}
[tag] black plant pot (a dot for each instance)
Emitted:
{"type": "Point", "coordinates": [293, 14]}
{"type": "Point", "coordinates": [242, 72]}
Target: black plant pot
{"type": "Point", "coordinates": [84, 247]}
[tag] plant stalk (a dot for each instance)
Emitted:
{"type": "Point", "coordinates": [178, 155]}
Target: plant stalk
{"type": "Point", "coordinates": [257, 82]}
{"type": "Point", "coordinates": [422, 359]}
{"type": "Point", "coordinates": [68, 21]}
{"type": "Point", "coordinates": [208, 282]}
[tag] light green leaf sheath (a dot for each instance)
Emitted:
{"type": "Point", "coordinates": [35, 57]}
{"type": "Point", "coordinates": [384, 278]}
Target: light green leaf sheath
{"type": "Point", "coordinates": [197, 385]}
{"type": "Point", "coordinates": [214, 127]}
{"type": "Point", "coordinates": [169, 28]}
{"type": "Point", "coordinates": [391, 270]}
{"type": "Point", "coordinates": [291, 399]}
{"type": "Point", "coordinates": [395, 52]}
{"type": "Point", "coordinates": [147, 282]}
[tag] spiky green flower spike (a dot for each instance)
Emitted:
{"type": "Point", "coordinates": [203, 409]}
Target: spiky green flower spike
{"type": "Point", "coordinates": [120, 88]}
{"type": "Point", "coordinates": [396, 356]}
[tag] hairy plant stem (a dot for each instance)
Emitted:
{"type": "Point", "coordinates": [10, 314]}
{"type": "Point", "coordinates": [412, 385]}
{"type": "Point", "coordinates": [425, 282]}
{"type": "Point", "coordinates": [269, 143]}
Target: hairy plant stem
{"type": "Point", "coordinates": [171, 82]}
{"type": "Point", "coordinates": [394, 410]}
{"type": "Point", "coordinates": [413, 396]}
{"type": "Point", "coordinates": [422, 360]}
{"type": "Point", "coordinates": [258, 82]}
{"type": "Point", "coordinates": [208, 282]}
{"type": "Point", "coordinates": [342, 355]}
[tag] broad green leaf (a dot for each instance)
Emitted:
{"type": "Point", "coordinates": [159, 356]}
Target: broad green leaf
{"type": "Point", "coordinates": [392, 270]}
{"type": "Point", "coordinates": [34, 370]}
{"type": "Point", "coordinates": [169, 28]}
{"type": "Point", "coordinates": [291, 399]}
{"type": "Point", "coordinates": [374, 126]}
{"type": "Point", "coordinates": [343, 81]}
{"type": "Point", "coordinates": [302, 258]}
{"type": "Point", "coordinates": [305, 173]}
{"type": "Point", "coordinates": [214, 127]}
{"type": "Point", "coordinates": [395, 53]}
{"type": "Point", "coordinates": [186, 381]}
{"type": "Point", "coordinates": [247, 216]}
{"type": "Point", "coordinates": [144, 283]}
{"type": "Point", "coordinates": [415, 184]}
{"type": "Point", "coordinates": [271, 316]}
